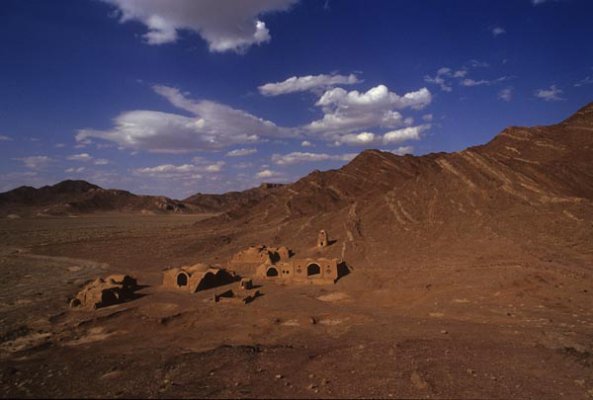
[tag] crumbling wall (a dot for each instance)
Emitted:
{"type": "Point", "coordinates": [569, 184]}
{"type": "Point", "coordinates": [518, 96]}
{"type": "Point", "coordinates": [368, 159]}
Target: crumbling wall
{"type": "Point", "coordinates": [99, 293]}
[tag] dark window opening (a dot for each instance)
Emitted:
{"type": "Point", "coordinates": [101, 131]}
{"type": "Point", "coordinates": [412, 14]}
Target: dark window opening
{"type": "Point", "coordinates": [313, 269]}
{"type": "Point", "coordinates": [272, 272]}
{"type": "Point", "coordinates": [181, 280]}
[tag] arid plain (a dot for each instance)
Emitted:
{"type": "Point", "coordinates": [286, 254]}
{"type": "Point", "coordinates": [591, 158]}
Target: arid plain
{"type": "Point", "coordinates": [469, 276]}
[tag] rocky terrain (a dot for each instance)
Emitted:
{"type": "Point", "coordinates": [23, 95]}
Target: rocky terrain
{"type": "Point", "coordinates": [80, 197]}
{"type": "Point", "coordinates": [470, 276]}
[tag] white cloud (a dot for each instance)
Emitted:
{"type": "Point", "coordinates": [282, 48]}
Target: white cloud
{"type": "Point", "coordinates": [183, 171]}
{"type": "Point", "coordinates": [84, 157]}
{"type": "Point", "coordinates": [441, 76]}
{"type": "Point", "coordinates": [306, 143]}
{"type": "Point", "coordinates": [446, 77]}
{"type": "Point", "coordinates": [427, 117]}
{"type": "Point", "coordinates": [498, 30]}
{"type": "Point", "coordinates": [268, 173]}
{"type": "Point", "coordinates": [553, 93]}
{"type": "Point", "coordinates": [241, 152]}
{"type": "Point", "coordinates": [216, 167]}
{"type": "Point", "coordinates": [75, 170]}
{"type": "Point", "coordinates": [101, 161]}
{"type": "Point", "coordinates": [483, 82]}
{"type": "Point", "coordinates": [356, 139]}
{"type": "Point", "coordinates": [4, 138]}
{"type": "Point", "coordinates": [403, 150]}
{"type": "Point", "coordinates": [213, 126]}
{"type": "Point", "coordinates": [506, 94]}
{"type": "Point", "coordinates": [306, 83]}
{"type": "Point", "coordinates": [35, 162]}
{"type": "Point", "coordinates": [404, 134]}
{"type": "Point", "coordinates": [224, 25]}
{"type": "Point", "coordinates": [299, 157]}
{"type": "Point", "coordinates": [346, 112]}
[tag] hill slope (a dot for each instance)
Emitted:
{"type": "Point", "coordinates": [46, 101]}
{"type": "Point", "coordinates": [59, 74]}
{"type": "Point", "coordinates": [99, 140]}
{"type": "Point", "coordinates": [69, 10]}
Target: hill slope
{"type": "Point", "coordinates": [80, 197]}
{"type": "Point", "coordinates": [528, 193]}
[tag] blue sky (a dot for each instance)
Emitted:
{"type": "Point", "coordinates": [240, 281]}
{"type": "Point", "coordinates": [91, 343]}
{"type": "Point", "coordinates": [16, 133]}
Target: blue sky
{"type": "Point", "coordinates": [185, 96]}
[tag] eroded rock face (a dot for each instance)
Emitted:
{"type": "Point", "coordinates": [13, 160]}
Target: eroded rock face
{"type": "Point", "coordinates": [111, 290]}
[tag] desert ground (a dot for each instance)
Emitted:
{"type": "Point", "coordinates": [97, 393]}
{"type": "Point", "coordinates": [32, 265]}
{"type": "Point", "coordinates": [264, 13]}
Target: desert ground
{"type": "Point", "coordinates": [500, 324]}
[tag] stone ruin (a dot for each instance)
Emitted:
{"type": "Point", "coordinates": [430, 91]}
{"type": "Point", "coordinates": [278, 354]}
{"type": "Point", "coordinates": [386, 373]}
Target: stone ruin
{"type": "Point", "coordinates": [254, 256]}
{"type": "Point", "coordinates": [229, 296]}
{"type": "Point", "coordinates": [111, 290]}
{"type": "Point", "coordinates": [301, 270]}
{"type": "Point", "coordinates": [196, 277]}
{"type": "Point", "coordinates": [322, 239]}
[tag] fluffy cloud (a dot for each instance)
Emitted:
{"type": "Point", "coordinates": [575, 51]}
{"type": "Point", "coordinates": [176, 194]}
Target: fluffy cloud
{"type": "Point", "coordinates": [267, 173]}
{"type": "Point", "coordinates": [306, 143]}
{"type": "Point", "coordinates": [241, 152]}
{"type": "Point", "coordinates": [553, 93]}
{"type": "Point", "coordinates": [306, 83]}
{"type": "Point", "coordinates": [225, 25]}
{"type": "Point", "coordinates": [346, 112]}
{"type": "Point", "coordinates": [356, 139]}
{"type": "Point", "coordinates": [4, 138]}
{"type": "Point", "coordinates": [213, 126]}
{"type": "Point", "coordinates": [404, 134]}
{"type": "Point", "coordinates": [35, 162]}
{"type": "Point", "coordinates": [299, 157]}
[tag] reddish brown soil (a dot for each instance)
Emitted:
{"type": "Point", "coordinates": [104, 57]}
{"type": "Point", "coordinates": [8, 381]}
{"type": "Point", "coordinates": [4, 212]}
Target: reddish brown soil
{"type": "Point", "coordinates": [470, 277]}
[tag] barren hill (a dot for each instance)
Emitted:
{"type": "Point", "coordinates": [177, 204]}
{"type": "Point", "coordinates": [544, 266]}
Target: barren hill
{"type": "Point", "coordinates": [528, 191]}
{"type": "Point", "coordinates": [73, 197]}
{"type": "Point", "coordinates": [80, 197]}
{"type": "Point", "coordinates": [231, 200]}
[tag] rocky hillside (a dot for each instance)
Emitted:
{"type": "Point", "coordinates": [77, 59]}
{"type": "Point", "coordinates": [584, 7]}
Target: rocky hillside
{"type": "Point", "coordinates": [231, 200]}
{"type": "Point", "coordinates": [79, 197]}
{"type": "Point", "coordinates": [529, 190]}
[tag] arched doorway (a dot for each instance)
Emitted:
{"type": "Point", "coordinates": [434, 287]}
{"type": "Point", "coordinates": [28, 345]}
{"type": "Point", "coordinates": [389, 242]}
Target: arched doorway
{"type": "Point", "coordinates": [181, 280]}
{"type": "Point", "coordinates": [272, 272]}
{"type": "Point", "coordinates": [313, 270]}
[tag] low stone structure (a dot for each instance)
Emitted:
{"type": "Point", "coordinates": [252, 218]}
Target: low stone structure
{"type": "Point", "coordinates": [303, 270]}
{"type": "Point", "coordinates": [196, 277]}
{"type": "Point", "coordinates": [99, 293]}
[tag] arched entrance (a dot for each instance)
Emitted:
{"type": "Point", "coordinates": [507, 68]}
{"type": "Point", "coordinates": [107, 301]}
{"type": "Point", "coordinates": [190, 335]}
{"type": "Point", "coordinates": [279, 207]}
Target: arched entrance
{"type": "Point", "coordinates": [272, 272]}
{"type": "Point", "coordinates": [313, 270]}
{"type": "Point", "coordinates": [181, 280]}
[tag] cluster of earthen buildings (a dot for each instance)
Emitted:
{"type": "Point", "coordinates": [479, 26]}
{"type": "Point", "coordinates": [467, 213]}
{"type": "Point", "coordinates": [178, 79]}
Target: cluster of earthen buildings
{"type": "Point", "coordinates": [262, 262]}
